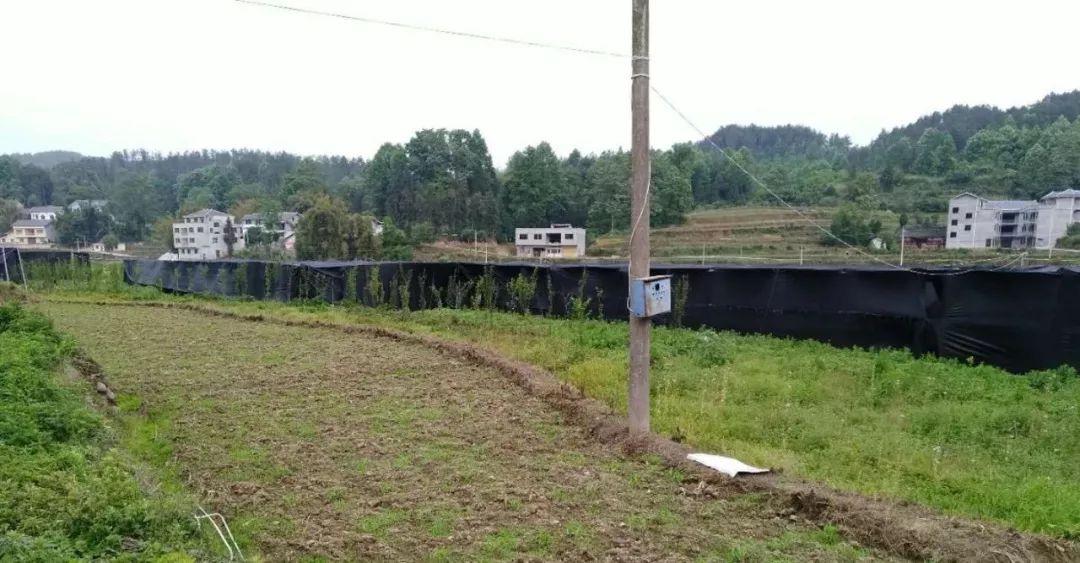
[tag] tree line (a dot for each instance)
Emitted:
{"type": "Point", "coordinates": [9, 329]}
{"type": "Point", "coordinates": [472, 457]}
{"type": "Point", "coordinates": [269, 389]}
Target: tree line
{"type": "Point", "coordinates": [443, 183]}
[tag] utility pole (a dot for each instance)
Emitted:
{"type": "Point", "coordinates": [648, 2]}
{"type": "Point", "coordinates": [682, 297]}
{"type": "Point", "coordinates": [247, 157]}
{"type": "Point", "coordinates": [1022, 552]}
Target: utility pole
{"type": "Point", "coordinates": [640, 327]}
{"type": "Point", "coordinates": [901, 246]}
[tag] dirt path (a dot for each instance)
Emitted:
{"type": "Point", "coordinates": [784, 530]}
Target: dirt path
{"type": "Point", "coordinates": [319, 444]}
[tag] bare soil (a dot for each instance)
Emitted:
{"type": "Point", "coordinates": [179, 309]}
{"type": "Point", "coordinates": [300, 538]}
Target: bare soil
{"type": "Point", "coordinates": [640, 499]}
{"type": "Point", "coordinates": [317, 443]}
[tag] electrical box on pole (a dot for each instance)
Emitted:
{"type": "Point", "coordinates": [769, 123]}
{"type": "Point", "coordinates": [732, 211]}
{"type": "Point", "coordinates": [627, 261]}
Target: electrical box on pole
{"type": "Point", "coordinates": [650, 296]}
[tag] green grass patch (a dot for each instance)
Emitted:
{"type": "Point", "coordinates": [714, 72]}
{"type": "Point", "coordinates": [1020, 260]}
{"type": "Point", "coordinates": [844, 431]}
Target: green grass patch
{"type": "Point", "coordinates": [68, 493]}
{"type": "Point", "coordinates": [966, 439]}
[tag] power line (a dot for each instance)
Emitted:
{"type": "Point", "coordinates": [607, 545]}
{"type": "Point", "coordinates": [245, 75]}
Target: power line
{"type": "Point", "coordinates": [443, 31]}
{"type": "Point", "coordinates": [804, 216]}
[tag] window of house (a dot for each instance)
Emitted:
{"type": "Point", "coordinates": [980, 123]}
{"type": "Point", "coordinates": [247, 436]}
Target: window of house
{"type": "Point", "coordinates": [955, 222]}
{"type": "Point", "coordinates": [215, 240]}
{"type": "Point", "coordinates": [967, 227]}
{"type": "Point", "coordinates": [967, 216]}
{"type": "Point", "coordinates": [988, 243]}
{"type": "Point", "coordinates": [538, 236]}
{"type": "Point", "coordinates": [216, 224]}
{"type": "Point", "coordinates": [956, 210]}
{"type": "Point", "coordinates": [200, 229]}
{"type": "Point", "coordinates": [952, 234]}
{"type": "Point", "coordinates": [523, 236]}
{"type": "Point", "coordinates": [569, 236]}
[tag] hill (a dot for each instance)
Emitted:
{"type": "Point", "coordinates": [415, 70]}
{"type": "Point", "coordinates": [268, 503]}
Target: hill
{"type": "Point", "coordinates": [46, 159]}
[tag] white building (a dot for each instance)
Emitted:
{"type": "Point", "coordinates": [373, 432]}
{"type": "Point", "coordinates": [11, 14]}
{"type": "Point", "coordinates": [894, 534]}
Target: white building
{"type": "Point", "coordinates": [1057, 210]}
{"type": "Point", "coordinates": [201, 235]}
{"type": "Point", "coordinates": [977, 222]}
{"type": "Point", "coordinates": [557, 241]}
{"type": "Point", "coordinates": [81, 204]}
{"type": "Point", "coordinates": [45, 212]}
{"type": "Point", "coordinates": [284, 226]}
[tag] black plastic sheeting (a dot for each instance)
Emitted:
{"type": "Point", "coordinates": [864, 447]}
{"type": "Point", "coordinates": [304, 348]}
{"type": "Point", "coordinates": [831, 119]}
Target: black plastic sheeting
{"type": "Point", "coordinates": [10, 258]}
{"type": "Point", "coordinates": [1020, 319]}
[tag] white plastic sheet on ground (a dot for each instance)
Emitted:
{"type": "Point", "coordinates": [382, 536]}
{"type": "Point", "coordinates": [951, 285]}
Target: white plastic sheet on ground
{"type": "Point", "coordinates": [726, 465]}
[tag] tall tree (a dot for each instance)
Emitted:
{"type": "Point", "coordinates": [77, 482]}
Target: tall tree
{"type": "Point", "coordinates": [535, 190]}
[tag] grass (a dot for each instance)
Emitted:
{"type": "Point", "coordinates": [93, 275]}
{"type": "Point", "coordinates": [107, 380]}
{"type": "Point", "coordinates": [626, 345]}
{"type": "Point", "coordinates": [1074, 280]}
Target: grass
{"type": "Point", "coordinates": [966, 439]}
{"type": "Point", "coordinates": [416, 455]}
{"type": "Point", "coordinates": [69, 491]}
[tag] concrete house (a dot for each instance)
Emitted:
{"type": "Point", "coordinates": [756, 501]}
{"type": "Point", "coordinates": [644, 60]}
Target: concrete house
{"type": "Point", "coordinates": [201, 235]}
{"type": "Point", "coordinates": [45, 212]}
{"type": "Point", "coordinates": [284, 226]}
{"type": "Point", "coordinates": [977, 222]}
{"type": "Point", "coordinates": [560, 240]}
{"type": "Point", "coordinates": [32, 232]}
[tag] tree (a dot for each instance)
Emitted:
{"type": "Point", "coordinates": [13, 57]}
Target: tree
{"type": "Point", "coordinates": [134, 206]}
{"type": "Point", "coordinates": [534, 189]}
{"type": "Point", "coordinates": [852, 225]}
{"type": "Point", "coordinates": [322, 231]}
{"type": "Point", "coordinates": [163, 233]}
{"type": "Point", "coordinates": [935, 153]}
{"type": "Point", "coordinates": [110, 242]}
{"type": "Point", "coordinates": [395, 245]}
{"type": "Point", "coordinates": [229, 237]}
{"type": "Point", "coordinates": [36, 184]}
{"type": "Point", "coordinates": [672, 196]}
{"type": "Point", "coordinates": [609, 184]}
{"type": "Point", "coordinates": [84, 226]}
{"type": "Point", "coordinates": [9, 213]}
{"type": "Point", "coordinates": [360, 239]}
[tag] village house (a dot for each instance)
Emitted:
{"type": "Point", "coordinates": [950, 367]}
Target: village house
{"type": "Point", "coordinates": [977, 222]}
{"type": "Point", "coordinates": [202, 235]}
{"type": "Point", "coordinates": [560, 240]}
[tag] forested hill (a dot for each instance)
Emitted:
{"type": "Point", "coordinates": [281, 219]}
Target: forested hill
{"type": "Point", "coordinates": [46, 159]}
{"type": "Point", "coordinates": [962, 122]}
{"type": "Point", "coordinates": [778, 142]}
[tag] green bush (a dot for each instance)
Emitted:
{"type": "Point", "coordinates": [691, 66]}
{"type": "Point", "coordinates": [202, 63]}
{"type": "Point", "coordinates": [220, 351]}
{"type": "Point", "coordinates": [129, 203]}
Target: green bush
{"type": "Point", "coordinates": [66, 495]}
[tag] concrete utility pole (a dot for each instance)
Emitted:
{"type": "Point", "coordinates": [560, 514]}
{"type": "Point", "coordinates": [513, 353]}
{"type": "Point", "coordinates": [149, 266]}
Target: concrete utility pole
{"type": "Point", "coordinates": [901, 246]}
{"type": "Point", "coordinates": [640, 327]}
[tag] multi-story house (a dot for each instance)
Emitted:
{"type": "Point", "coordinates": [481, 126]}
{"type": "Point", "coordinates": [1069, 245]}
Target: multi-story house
{"type": "Point", "coordinates": [31, 232]}
{"type": "Point", "coordinates": [560, 240]}
{"type": "Point", "coordinates": [284, 225]}
{"type": "Point", "coordinates": [977, 222]}
{"type": "Point", "coordinates": [202, 235]}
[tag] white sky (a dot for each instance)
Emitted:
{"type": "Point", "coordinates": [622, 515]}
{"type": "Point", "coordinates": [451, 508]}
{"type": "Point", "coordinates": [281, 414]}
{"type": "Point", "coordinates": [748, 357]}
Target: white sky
{"type": "Point", "coordinates": [95, 76]}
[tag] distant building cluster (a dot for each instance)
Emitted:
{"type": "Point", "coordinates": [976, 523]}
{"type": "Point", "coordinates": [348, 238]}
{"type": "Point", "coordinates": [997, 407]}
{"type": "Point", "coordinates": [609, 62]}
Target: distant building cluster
{"type": "Point", "coordinates": [977, 222]}
{"type": "Point", "coordinates": [37, 226]}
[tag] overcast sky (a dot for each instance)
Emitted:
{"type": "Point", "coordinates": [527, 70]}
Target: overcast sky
{"type": "Point", "coordinates": [95, 76]}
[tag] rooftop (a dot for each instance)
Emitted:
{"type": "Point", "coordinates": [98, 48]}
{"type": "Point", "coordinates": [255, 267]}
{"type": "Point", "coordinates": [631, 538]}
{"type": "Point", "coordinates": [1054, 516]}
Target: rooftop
{"type": "Point", "coordinates": [925, 231]}
{"type": "Point", "coordinates": [31, 223]}
{"type": "Point", "coordinates": [45, 209]}
{"type": "Point", "coordinates": [1009, 204]}
{"type": "Point", "coordinates": [1063, 193]}
{"type": "Point", "coordinates": [206, 213]}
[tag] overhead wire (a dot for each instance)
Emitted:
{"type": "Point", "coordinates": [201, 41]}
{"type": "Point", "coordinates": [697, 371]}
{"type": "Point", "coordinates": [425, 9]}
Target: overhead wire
{"type": "Point", "coordinates": [440, 30]}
